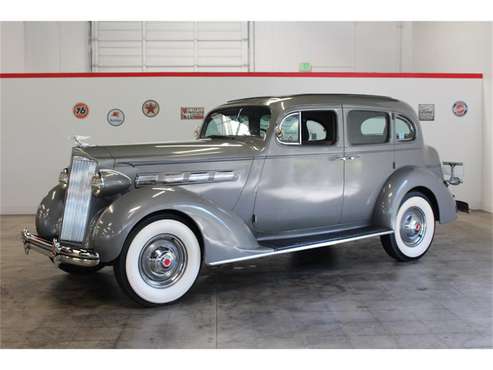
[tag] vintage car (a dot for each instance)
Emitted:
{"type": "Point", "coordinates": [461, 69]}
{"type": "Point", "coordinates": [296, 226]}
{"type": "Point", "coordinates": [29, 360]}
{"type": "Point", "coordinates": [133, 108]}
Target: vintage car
{"type": "Point", "coordinates": [266, 176]}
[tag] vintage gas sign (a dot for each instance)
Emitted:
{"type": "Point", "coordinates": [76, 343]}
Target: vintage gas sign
{"type": "Point", "coordinates": [80, 110]}
{"type": "Point", "coordinates": [115, 117]}
{"type": "Point", "coordinates": [459, 108]}
{"type": "Point", "coordinates": [192, 113]}
{"type": "Point", "coordinates": [150, 108]}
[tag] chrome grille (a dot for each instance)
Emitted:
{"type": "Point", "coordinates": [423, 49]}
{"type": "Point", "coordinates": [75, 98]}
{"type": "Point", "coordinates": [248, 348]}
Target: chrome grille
{"type": "Point", "coordinates": [78, 199]}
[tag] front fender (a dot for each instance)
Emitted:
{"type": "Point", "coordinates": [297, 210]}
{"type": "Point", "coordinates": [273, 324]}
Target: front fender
{"type": "Point", "coordinates": [50, 213]}
{"type": "Point", "coordinates": [400, 183]}
{"type": "Point", "coordinates": [224, 234]}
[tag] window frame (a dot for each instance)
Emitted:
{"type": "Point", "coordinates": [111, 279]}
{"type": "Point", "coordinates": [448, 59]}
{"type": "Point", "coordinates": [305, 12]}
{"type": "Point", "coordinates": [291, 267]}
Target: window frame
{"type": "Point", "coordinates": [409, 122]}
{"type": "Point", "coordinates": [389, 121]}
{"type": "Point", "coordinates": [300, 139]}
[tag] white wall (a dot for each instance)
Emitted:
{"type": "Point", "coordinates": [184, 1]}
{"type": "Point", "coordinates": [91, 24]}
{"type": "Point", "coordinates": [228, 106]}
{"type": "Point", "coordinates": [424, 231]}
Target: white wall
{"type": "Point", "coordinates": [281, 46]}
{"type": "Point", "coordinates": [12, 47]}
{"type": "Point", "coordinates": [276, 46]}
{"type": "Point", "coordinates": [329, 46]}
{"type": "Point", "coordinates": [45, 47]}
{"type": "Point", "coordinates": [461, 47]}
{"type": "Point", "coordinates": [36, 125]}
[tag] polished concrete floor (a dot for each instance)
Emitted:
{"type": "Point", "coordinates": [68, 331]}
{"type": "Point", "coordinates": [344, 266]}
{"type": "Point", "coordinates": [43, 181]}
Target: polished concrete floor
{"type": "Point", "coordinates": [346, 296]}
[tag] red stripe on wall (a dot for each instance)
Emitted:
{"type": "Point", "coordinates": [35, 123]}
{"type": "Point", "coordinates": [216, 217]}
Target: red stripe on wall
{"type": "Point", "coordinates": [244, 74]}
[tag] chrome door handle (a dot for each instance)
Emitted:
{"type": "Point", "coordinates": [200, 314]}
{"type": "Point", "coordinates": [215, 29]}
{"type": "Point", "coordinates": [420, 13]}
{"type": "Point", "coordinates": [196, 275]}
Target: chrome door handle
{"type": "Point", "coordinates": [352, 157]}
{"type": "Point", "coordinates": [346, 158]}
{"type": "Point", "coordinates": [337, 158]}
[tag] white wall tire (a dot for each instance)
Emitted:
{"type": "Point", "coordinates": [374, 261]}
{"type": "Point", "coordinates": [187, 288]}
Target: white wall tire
{"type": "Point", "coordinates": [159, 262]}
{"type": "Point", "coordinates": [414, 229]}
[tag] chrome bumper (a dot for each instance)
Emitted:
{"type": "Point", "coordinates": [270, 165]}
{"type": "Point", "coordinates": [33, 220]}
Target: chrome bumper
{"type": "Point", "coordinates": [59, 253]}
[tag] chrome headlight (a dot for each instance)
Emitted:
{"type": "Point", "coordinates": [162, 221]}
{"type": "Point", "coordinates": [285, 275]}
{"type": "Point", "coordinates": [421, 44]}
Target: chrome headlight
{"type": "Point", "coordinates": [63, 178]}
{"type": "Point", "coordinates": [109, 182]}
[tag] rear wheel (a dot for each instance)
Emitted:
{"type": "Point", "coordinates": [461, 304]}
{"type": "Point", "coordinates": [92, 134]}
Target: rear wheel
{"type": "Point", "coordinates": [160, 261]}
{"type": "Point", "coordinates": [414, 229]}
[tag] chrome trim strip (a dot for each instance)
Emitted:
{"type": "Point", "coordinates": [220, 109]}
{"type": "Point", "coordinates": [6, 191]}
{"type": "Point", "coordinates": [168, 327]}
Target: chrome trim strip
{"type": "Point", "coordinates": [305, 247]}
{"type": "Point", "coordinates": [184, 178]}
{"type": "Point", "coordinates": [57, 252]}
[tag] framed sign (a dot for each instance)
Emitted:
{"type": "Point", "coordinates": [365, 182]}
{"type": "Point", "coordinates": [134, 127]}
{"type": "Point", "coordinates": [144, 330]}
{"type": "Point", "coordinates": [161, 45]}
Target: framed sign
{"type": "Point", "coordinates": [192, 112]}
{"type": "Point", "coordinates": [426, 112]}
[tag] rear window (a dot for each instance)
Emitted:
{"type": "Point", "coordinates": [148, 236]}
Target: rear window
{"type": "Point", "coordinates": [368, 127]}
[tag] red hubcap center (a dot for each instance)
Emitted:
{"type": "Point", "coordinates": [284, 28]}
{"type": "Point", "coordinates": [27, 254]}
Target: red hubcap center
{"type": "Point", "coordinates": [167, 262]}
{"type": "Point", "coordinates": [418, 227]}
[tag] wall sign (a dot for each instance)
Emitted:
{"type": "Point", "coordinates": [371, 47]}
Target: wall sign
{"type": "Point", "coordinates": [115, 117]}
{"type": "Point", "coordinates": [192, 112]}
{"type": "Point", "coordinates": [150, 108]}
{"type": "Point", "coordinates": [80, 110]}
{"type": "Point", "coordinates": [459, 108]}
{"type": "Point", "coordinates": [426, 112]}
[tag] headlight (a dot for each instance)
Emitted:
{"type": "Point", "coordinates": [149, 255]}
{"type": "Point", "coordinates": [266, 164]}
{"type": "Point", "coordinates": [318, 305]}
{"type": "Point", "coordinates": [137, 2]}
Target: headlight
{"type": "Point", "coordinates": [63, 178]}
{"type": "Point", "coordinates": [109, 182]}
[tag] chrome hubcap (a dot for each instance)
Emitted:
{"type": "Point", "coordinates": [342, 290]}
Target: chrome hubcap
{"type": "Point", "coordinates": [162, 261]}
{"type": "Point", "coordinates": [413, 226]}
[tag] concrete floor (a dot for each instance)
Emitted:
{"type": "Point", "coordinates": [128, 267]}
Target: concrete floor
{"type": "Point", "coordinates": [346, 296]}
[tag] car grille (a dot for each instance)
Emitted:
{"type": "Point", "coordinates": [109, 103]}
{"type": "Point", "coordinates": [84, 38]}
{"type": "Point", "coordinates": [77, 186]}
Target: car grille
{"type": "Point", "coordinates": [78, 199]}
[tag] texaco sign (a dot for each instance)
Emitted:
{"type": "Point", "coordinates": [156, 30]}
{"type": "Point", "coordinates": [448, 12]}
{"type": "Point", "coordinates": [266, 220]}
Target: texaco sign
{"type": "Point", "coordinates": [150, 108]}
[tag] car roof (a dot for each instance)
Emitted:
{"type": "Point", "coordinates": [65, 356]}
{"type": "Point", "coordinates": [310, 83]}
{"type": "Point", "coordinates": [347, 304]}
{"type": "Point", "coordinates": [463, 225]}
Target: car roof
{"type": "Point", "coordinates": [288, 102]}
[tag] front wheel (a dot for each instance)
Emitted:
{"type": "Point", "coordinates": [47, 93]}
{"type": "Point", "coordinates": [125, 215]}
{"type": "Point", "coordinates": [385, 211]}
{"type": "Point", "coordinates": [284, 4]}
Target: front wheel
{"type": "Point", "coordinates": [159, 262]}
{"type": "Point", "coordinates": [413, 231]}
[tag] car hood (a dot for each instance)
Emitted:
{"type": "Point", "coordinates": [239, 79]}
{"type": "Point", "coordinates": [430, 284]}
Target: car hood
{"type": "Point", "coordinates": [177, 152]}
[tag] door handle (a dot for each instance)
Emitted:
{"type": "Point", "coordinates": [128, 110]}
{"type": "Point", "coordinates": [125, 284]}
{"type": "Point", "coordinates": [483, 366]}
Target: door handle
{"type": "Point", "coordinates": [345, 158]}
{"type": "Point", "coordinates": [337, 158]}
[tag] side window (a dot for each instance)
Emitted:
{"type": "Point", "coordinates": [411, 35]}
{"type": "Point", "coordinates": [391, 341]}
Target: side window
{"type": "Point", "coordinates": [404, 129]}
{"type": "Point", "coordinates": [290, 129]}
{"type": "Point", "coordinates": [318, 127]}
{"type": "Point", "coordinates": [368, 127]}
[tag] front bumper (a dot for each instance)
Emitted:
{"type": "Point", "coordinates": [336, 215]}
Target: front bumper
{"type": "Point", "coordinates": [59, 253]}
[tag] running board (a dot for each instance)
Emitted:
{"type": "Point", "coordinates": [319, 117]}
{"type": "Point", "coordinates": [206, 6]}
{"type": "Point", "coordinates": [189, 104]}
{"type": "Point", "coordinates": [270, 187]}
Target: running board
{"type": "Point", "coordinates": [281, 246]}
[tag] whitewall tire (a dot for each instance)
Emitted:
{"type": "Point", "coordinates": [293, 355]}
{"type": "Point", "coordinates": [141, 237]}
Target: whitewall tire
{"type": "Point", "coordinates": [414, 229]}
{"type": "Point", "coordinates": [160, 261]}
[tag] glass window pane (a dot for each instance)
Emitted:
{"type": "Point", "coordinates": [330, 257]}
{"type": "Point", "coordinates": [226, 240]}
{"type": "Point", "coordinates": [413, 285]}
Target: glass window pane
{"type": "Point", "coordinates": [290, 129]}
{"type": "Point", "coordinates": [318, 127]}
{"type": "Point", "coordinates": [241, 121]}
{"type": "Point", "coordinates": [367, 127]}
{"type": "Point", "coordinates": [403, 130]}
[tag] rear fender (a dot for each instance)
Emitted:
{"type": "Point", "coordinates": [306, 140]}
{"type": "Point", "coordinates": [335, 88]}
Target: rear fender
{"type": "Point", "coordinates": [404, 180]}
{"type": "Point", "coordinates": [224, 234]}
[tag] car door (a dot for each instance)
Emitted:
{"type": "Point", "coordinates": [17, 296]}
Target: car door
{"type": "Point", "coordinates": [301, 186]}
{"type": "Point", "coordinates": [368, 161]}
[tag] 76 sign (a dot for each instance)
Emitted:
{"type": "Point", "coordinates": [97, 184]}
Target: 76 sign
{"type": "Point", "coordinates": [80, 110]}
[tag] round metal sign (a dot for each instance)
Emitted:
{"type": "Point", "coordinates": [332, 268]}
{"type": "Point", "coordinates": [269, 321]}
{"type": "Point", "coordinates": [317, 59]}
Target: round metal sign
{"type": "Point", "coordinates": [150, 108]}
{"type": "Point", "coordinates": [80, 110]}
{"type": "Point", "coordinates": [115, 117]}
{"type": "Point", "coordinates": [459, 108]}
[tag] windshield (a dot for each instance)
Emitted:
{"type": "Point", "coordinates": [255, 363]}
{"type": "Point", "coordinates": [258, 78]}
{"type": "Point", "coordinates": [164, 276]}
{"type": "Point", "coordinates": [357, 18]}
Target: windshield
{"type": "Point", "coordinates": [237, 121]}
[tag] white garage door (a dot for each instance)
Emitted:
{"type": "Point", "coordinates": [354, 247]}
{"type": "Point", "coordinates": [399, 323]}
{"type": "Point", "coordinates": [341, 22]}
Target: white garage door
{"type": "Point", "coordinates": [170, 46]}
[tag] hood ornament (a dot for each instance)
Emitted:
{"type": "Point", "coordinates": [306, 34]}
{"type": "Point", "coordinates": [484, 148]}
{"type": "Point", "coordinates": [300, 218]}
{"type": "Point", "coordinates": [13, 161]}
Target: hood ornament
{"type": "Point", "coordinates": [80, 141]}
